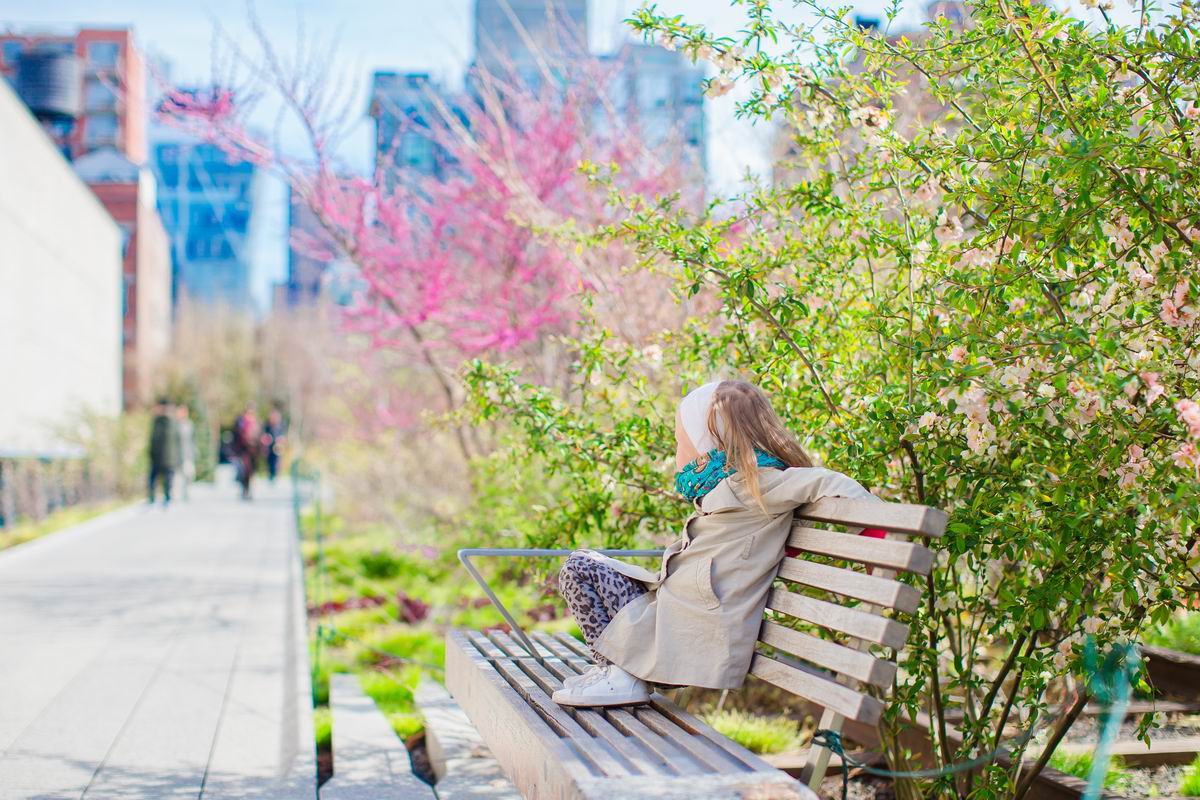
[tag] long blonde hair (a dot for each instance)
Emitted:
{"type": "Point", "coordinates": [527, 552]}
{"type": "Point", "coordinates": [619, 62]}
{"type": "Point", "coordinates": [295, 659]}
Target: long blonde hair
{"type": "Point", "coordinates": [741, 420]}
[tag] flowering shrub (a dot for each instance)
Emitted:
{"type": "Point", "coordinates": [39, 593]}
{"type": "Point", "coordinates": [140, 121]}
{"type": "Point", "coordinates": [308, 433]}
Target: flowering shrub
{"type": "Point", "coordinates": [974, 286]}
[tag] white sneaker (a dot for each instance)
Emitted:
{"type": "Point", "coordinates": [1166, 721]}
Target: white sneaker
{"type": "Point", "coordinates": [587, 674]}
{"type": "Point", "coordinates": [611, 686]}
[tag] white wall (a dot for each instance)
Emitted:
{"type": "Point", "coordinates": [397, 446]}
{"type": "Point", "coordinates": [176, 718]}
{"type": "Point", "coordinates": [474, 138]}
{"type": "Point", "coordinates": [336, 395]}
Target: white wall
{"type": "Point", "coordinates": [60, 289]}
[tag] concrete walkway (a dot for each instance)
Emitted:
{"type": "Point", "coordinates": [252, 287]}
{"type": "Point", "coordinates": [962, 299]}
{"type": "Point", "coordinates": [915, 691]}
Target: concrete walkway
{"type": "Point", "coordinates": [158, 654]}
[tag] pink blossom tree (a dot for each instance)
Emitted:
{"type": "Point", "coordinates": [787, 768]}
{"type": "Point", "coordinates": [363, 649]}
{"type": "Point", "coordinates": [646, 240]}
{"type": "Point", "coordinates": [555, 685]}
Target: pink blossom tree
{"type": "Point", "coordinates": [481, 261]}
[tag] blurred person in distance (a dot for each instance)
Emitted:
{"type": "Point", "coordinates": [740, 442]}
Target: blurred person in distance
{"type": "Point", "coordinates": [164, 451]}
{"type": "Point", "coordinates": [245, 448]}
{"type": "Point", "coordinates": [187, 449]}
{"type": "Point", "coordinates": [272, 440]}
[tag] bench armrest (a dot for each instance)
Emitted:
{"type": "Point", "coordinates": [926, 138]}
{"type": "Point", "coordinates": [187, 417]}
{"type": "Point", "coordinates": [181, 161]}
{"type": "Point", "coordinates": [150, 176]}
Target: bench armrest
{"type": "Point", "coordinates": [465, 555]}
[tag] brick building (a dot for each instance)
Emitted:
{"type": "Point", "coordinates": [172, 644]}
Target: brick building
{"type": "Point", "coordinates": [112, 87]}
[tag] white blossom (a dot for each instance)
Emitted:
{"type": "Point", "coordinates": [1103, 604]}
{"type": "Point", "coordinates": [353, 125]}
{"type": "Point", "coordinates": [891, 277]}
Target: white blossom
{"type": "Point", "coordinates": [718, 86]}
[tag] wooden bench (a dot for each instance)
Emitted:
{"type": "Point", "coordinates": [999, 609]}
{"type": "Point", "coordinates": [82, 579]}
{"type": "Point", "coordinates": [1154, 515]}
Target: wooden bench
{"type": "Point", "coordinates": [843, 592]}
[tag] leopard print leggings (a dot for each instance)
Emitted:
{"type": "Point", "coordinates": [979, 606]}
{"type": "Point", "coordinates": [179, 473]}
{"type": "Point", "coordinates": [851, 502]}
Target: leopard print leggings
{"type": "Point", "coordinates": [595, 592]}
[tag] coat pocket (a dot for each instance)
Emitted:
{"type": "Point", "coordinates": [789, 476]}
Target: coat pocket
{"type": "Point", "coordinates": [704, 585]}
{"type": "Point", "coordinates": [747, 548]}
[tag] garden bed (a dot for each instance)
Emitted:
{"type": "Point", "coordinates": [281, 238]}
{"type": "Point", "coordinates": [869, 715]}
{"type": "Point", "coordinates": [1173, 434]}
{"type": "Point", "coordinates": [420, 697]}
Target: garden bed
{"type": "Point", "coordinates": [381, 610]}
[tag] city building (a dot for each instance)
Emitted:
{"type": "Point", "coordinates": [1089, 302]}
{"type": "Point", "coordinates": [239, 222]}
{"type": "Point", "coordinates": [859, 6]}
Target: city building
{"type": "Point", "coordinates": [128, 192]}
{"type": "Point", "coordinates": [660, 96]}
{"type": "Point", "coordinates": [315, 274]}
{"type": "Point", "coordinates": [210, 208]}
{"type": "Point", "coordinates": [60, 308]}
{"type": "Point", "coordinates": [657, 92]}
{"type": "Point", "coordinates": [524, 37]}
{"type": "Point", "coordinates": [404, 106]}
{"type": "Point", "coordinates": [87, 87]}
{"type": "Point", "coordinates": [305, 267]}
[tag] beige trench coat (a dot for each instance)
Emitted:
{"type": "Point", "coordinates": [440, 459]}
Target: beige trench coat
{"type": "Point", "coordinates": [698, 623]}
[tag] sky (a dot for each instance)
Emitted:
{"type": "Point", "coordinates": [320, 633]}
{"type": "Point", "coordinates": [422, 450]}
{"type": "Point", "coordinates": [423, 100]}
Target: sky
{"type": "Point", "coordinates": [406, 35]}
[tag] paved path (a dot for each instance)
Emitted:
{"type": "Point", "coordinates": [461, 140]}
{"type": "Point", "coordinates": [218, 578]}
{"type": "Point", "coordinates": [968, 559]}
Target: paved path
{"type": "Point", "coordinates": [158, 654]}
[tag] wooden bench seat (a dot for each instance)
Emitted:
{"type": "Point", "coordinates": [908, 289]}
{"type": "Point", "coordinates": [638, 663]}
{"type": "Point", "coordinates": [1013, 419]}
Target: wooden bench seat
{"type": "Point", "coordinates": [550, 751]}
{"type": "Point", "coordinates": [829, 636]}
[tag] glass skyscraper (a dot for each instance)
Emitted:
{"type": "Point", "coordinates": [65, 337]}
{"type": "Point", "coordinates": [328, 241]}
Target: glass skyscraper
{"type": "Point", "coordinates": [207, 202]}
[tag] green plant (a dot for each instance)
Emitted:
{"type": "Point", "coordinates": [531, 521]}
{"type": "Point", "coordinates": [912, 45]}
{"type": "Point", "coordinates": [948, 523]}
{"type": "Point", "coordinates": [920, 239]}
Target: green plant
{"type": "Point", "coordinates": [379, 564]}
{"type": "Point", "coordinates": [1180, 632]}
{"type": "Point", "coordinates": [406, 724]}
{"type": "Point", "coordinates": [759, 734]}
{"type": "Point", "coordinates": [1080, 765]}
{"type": "Point", "coordinates": [323, 724]}
{"type": "Point", "coordinates": [393, 693]}
{"type": "Point", "coordinates": [1189, 784]}
{"type": "Point", "coordinates": [25, 530]}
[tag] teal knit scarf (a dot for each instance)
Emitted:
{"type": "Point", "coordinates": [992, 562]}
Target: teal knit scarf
{"type": "Point", "coordinates": [701, 476]}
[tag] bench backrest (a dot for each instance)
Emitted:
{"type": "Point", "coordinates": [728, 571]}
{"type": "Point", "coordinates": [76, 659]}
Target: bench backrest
{"type": "Point", "coordinates": [849, 591]}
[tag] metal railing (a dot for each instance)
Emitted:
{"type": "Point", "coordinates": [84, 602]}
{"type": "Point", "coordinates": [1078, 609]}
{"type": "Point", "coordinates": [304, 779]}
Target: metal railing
{"type": "Point", "coordinates": [465, 555]}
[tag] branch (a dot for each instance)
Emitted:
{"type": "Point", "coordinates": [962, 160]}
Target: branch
{"type": "Point", "coordinates": [1060, 730]}
{"type": "Point", "coordinates": [766, 315]}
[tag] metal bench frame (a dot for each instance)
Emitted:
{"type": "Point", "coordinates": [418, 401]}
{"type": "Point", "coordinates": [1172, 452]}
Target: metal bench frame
{"type": "Point", "coordinates": [467, 554]}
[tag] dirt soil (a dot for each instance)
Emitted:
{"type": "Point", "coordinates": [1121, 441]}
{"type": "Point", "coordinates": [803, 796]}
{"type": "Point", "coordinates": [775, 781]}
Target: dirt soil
{"type": "Point", "coordinates": [1171, 726]}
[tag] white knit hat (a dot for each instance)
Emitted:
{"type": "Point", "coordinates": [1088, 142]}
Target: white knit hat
{"type": "Point", "coordinates": [693, 412]}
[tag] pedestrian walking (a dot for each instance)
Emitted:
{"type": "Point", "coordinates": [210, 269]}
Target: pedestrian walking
{"type": "Point", "coordinates": [187, 449]}
{"type": "Point", "coordinates": [272, 440]}
{"type": "Point", "coordinates": [164, 451]}
{"type": "Point", "coordinates": [245, 448]}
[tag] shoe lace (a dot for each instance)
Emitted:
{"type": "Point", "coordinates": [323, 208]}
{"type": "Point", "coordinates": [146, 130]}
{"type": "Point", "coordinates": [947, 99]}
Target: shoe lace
{"type": "Point", "coordinates": [596, 675]}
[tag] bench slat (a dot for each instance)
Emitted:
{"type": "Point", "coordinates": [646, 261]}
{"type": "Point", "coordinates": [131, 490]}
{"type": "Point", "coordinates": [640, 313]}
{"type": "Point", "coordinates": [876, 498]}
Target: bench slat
{"type": "Point", "coordinates": [594, 722]}
{"type": "Point", "coordinates": [607, 757]}
{"type": "Point", "coordinates": [833, 696]}
{"type": "Point", "coordinates": [493, 654]}
{"type": "Point", "coordinates": [850, 621]}
{"type": "Point", "coordinates": [702, 731]}
{"type": "Point", "coordinates": [645, 760]}
{"type": "Point", "coordinates": [904, 556]}
{"type": "Point", "coordinates": [574, 645]}
{"type": "Point", "coordinates": [529, 751]}
{"type": "Point", "coordinates": [596, 750]}
{"type": "Point", "coordinates": [869, 588]}
{"type": "Point", "coordinates": [898, 517]}
{"type": "Point", "coordinates": [577, 662]}
{"type": "Point", "coordinates": [683, 727]}
{"type": "Point", "coordinates": [843, 660]}
{"type": "Point", "coordinates": [662, 734]}
{"type": "Point", "coordinates": [601, 757]}
{"type": "Point", "coordinates": [670, 754]}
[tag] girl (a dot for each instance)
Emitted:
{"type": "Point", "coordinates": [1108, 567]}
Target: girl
{"type": "Point", "coordinates": [695, 622]}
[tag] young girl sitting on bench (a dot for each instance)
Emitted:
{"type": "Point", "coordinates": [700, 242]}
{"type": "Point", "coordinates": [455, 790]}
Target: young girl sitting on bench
{"type": "Point", "coordinates": [695, 621]}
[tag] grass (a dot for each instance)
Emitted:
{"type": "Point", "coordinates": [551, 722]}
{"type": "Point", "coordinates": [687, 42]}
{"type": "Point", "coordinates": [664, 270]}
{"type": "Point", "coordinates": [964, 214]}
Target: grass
{"type": "Point", "coordinates": [1080, 765]}
{"type": "Point", "coordinates": [28, 530]}
{"type": "Point", "coordinates": [323, 722]}
{"type": "Point", "coordinates": [759, 734]}
{"type": "Point", "coordinates": [386, 608]}
{"type": "Point", "coordinates": [1189, 784]}
{"type": "Point", "coordinates": [1181, 632]}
